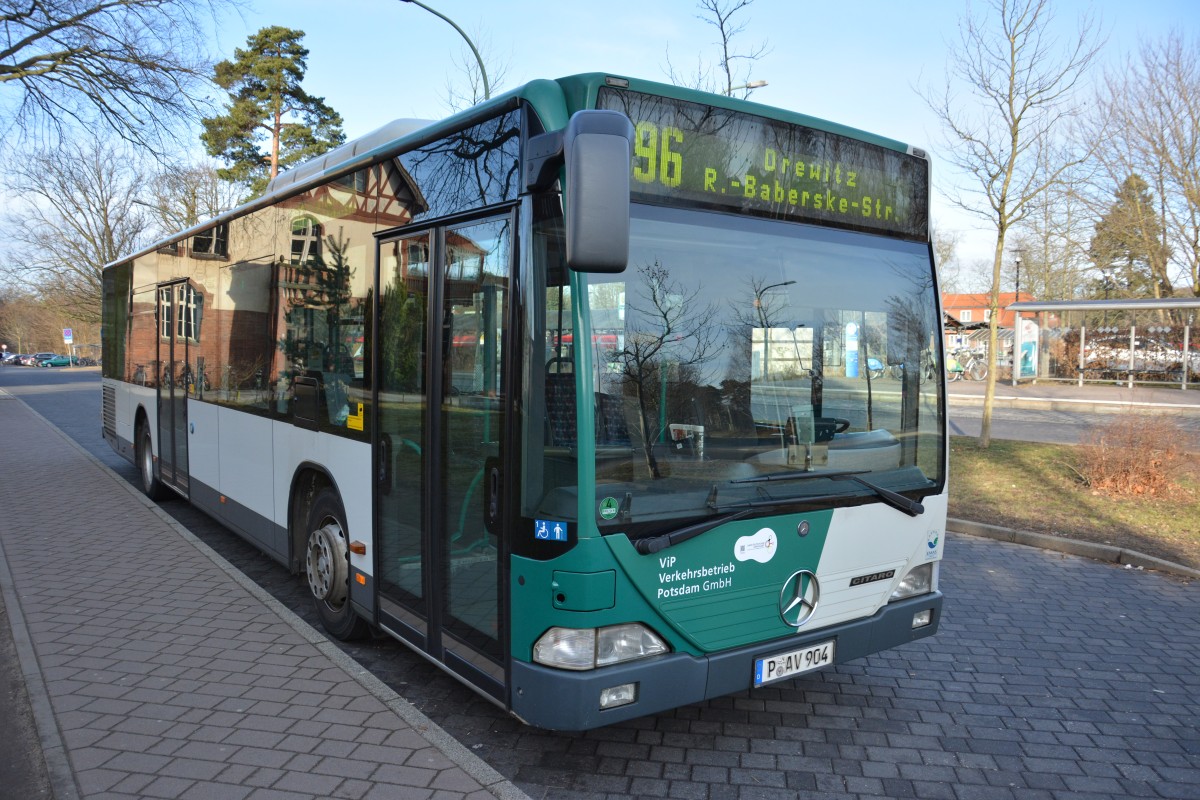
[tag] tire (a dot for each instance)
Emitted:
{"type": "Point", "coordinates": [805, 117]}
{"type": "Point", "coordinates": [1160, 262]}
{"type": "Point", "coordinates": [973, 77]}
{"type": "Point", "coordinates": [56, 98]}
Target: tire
{"type": "Point", "coordinates": [152, 487]}
{"type": "Point", "coordinates": [327, 568]}
{"type": "Point", "coordinates": [978, 370]}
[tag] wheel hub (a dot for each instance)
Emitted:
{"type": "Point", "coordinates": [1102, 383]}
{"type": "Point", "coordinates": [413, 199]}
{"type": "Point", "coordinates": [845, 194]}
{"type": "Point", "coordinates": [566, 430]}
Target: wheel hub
{"type": "Point", "coordinates": [326, 564]}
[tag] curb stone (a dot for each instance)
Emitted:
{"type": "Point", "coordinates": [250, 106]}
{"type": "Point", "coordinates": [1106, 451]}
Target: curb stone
{"type": "Point", "coordinates": [1077, 405]}
{"type": "Point", "coordinates": [1098, 552]}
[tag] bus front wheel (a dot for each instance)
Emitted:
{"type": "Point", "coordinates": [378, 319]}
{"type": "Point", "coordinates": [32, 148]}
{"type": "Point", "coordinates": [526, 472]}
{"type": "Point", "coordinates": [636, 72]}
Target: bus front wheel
{"type": "Point", "coordinates": [327, 568]}
{"type": "Point", "coordinates": [151, 486]}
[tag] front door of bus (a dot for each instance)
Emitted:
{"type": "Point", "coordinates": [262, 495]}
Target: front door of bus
{"type": "Point", "coordinates": [443, 339]}
{"type": "Point", "coordinates": [177, 312]}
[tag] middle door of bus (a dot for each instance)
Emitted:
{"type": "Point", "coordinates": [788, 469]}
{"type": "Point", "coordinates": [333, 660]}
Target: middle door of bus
{"type": "Point", "coordinates": [443, 345]}
{"type": "Point", "coordinates": [178, 318]}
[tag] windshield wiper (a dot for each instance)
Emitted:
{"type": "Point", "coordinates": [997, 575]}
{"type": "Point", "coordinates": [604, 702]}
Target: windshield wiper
{"type": "Point", "coordinates": [794, 475]}
{"type": "Point", "coordinates": [896, 501]}
{"type": "Point", "coordinates": [654, 544]}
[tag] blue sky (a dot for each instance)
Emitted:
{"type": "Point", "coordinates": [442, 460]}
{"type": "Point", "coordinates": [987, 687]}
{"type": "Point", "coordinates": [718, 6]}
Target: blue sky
{"type": "Point", "coordinates": [856, 63]}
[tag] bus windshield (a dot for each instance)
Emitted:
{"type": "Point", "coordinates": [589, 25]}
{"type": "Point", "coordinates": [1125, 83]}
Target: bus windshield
{"type": "Point", "coordinates": [735, 349]}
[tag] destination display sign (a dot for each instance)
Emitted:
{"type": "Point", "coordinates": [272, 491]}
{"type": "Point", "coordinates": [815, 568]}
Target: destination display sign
{"type": "Point", "coordinates": [693, 154]}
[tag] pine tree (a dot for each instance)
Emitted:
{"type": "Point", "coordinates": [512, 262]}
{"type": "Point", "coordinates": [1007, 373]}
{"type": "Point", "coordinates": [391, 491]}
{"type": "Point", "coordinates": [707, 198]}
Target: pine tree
{"type": "Point", "coordinates": [1128, 245]}
{"type": "Point", "coordinates": [268, 106]}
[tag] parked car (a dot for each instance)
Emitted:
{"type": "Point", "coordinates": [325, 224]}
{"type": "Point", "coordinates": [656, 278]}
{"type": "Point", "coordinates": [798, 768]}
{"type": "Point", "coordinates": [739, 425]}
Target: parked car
{"type": "Point", "coordinates": [26, 360]}
{"type": "Point", "coordinates": [9, 358]}
{"type": "Point", "coordinates": [58, 361]}
{"type": "Point", "coordinates": [38, 358]}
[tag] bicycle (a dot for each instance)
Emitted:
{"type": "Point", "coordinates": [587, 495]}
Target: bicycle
{"type": "Point", "coordinates": [925, 372]}
{"type": "Point", "coordinates": [966, 364]}
{"type": "Point", "coordinates": [928, 368]}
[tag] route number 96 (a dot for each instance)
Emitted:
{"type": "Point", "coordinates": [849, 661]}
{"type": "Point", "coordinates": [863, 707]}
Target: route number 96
{"type": "Point", "coordinates": [654, 158]}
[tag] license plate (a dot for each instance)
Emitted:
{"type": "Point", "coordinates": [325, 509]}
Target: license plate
{"type": "Point", "coordinates": [796, 662]}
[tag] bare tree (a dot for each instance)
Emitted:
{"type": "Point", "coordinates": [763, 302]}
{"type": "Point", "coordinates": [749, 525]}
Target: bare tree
{"type": "Point", "coordinates": [1052, 241]}
{"type": "Point", "coordinates": [945, 250]}
{"type": "Point", "coordinates": [136, 65]}
{"type": "Point", "coordinates": [1147, 123]}
{"type": "Point", "coordinates": [733, 68]}
{"type": "Point", "coordinates": [181, 196]}
{"type": "Point", "coordinates": [26, 325]}
{"type": "Point", "coordinates": [1007, 142]}
{"type": "Point", "coordinates": [469, 90]}
{"type": "Point", "coordinates": [78, 211]}
{"type": "Point", "coordinates": [678, 335]}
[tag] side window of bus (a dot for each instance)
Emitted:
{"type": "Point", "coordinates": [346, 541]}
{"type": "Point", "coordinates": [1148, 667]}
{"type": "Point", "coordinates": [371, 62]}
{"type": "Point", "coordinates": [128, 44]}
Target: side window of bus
{"type": "Point", "coordinates": [477, 166]}
{"type": "Point", "coordinates": [327, 244]}
{"type": "Point", "coordinates": [243, 372]}
{"type": "Point", "coordinates": [115, 299]}
{"type": "Point", "coordinates": [548, 436]}
{"type": "Point", "coordinates": [141, 364]}
{"type": "Point", "coordinates": [169, 338]}
{"type": "Point", "coordinates": [239, 357]}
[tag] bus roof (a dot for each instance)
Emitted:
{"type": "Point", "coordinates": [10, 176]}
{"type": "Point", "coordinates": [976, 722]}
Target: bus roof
{"type": "Point", "coordinates": [553, 100]}
{"type": "Point", "coordinates": [581, 91]}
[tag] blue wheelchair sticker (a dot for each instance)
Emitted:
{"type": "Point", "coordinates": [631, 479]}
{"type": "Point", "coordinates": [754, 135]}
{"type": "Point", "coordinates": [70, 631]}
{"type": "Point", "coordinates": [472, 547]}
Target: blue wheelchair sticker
{"type": "Point", "coordinates": [549, 530]}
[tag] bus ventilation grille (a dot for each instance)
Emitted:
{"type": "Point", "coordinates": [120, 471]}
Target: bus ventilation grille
{"type": "Point", "coordinates": [109, 404]}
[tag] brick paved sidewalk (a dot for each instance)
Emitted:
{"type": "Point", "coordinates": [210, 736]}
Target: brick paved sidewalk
{"type": "Point", "coordinates": [156, 670]}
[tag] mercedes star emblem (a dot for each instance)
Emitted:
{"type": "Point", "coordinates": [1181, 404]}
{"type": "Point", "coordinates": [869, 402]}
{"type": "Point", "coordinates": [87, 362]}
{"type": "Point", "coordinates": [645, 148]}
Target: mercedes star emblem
{"type": "Point", "coordinates": [799, 597]}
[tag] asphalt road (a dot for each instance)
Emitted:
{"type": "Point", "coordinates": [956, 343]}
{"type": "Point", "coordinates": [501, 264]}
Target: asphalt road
{"type": "Point", "coordinates": [1052, 677]}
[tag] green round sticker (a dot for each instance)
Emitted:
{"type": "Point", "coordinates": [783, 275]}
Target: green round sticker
{"type": "Point", "coordinates": [608, 508]}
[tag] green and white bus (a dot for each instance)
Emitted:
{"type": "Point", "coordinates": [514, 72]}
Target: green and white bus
{"type": "Point", "coordinates": [602, 395]}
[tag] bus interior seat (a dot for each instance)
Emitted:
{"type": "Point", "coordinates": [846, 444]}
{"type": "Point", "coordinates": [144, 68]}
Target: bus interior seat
{"type": "Point", "coordinates": [560, 409]}
{"type": "Point", "coordinates": [611, 426]}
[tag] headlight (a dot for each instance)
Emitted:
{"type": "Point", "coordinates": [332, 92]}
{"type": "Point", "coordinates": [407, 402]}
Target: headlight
{"type": "Point", "coordinates": [588, 648]}
{"type": "Point", "coordinates": [567, 648]}
{"type": "Point", "coordinates": [918, 581]}
{"type": "Point", "coordinates": [626, 643]}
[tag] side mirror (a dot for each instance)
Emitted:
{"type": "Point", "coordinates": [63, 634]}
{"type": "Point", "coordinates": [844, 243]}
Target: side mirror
{"type": "Point", "coordinates": [596, 149]}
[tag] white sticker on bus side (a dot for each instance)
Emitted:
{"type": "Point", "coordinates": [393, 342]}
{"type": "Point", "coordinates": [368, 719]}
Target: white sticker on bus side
{"type": "Point", "coordinates": [759, 547]}
{"type": "Point", "coordinates": [932, 545]}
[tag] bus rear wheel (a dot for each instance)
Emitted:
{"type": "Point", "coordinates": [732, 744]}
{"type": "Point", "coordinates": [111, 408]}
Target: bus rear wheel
{"type": "Point", "coordinates": [327, 568]}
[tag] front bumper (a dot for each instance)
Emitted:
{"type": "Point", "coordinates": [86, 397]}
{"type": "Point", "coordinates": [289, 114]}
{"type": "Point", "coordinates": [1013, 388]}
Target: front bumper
{"type": "Point", "coordinates": [564, 700]}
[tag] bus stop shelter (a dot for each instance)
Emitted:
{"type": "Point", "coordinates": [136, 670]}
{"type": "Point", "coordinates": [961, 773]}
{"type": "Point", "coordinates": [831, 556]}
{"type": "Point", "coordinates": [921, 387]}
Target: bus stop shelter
{"type": "Point", "coordinates": [1143, 341]}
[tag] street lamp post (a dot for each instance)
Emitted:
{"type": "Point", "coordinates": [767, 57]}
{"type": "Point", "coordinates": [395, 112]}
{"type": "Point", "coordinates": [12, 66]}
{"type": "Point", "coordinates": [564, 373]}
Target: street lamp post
{"type": "Point", "coordinates": [487, 91]}
{"type": "Point", "coordinates": [762, 317]}
{"type": "Point", "coordinates": [1016, 357]}
{"type": "Point", "coordinates": [750, 85]}
{"type": "Point", "coordinates": [766, 371]}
